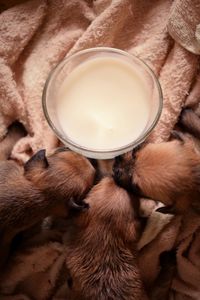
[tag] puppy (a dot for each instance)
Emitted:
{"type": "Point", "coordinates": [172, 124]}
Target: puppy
{"type": "Point", "coordinates": [168, 172]}
{"type": "Point", "coordinates": [101, 247]}
{"type": "Point", "coordinates": [44, 187]}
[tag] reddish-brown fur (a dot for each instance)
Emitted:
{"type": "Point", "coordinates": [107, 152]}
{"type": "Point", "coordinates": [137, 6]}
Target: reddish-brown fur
{"type": "Point", "coordinates": [45, 188]}
{"type": "Point", "coordinates": [101, 247]}
{"type": "Point", "coordinates": [68, 174]}
{"type": "Point", "coordinates": [168, 172]}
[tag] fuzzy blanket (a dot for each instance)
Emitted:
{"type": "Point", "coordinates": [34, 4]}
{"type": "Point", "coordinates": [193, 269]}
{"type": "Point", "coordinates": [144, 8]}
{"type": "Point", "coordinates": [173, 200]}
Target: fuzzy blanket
{"type": "Point", "coordinates": [34, 36]}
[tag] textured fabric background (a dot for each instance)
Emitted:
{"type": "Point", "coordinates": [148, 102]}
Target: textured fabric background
{"type": "Point", "coordinates": [34, 36]}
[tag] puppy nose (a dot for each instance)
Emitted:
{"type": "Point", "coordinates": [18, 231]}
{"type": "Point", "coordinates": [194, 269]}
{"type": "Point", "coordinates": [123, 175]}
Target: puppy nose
{"type": "Point", "coordinates": [117, 174]}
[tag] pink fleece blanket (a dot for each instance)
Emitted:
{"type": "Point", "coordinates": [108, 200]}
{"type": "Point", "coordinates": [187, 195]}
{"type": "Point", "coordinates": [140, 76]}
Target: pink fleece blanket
{"type": "Point", "coordinates": [34, 36]}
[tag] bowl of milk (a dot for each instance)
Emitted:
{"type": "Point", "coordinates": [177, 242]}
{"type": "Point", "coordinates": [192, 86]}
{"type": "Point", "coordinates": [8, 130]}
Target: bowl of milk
{"type": "Point", "coordinates": [102, 102]}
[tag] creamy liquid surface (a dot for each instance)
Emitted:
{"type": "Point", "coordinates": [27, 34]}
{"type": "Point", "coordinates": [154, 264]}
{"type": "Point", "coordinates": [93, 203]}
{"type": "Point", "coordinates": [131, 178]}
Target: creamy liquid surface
{"type": "Point", "coordinates": [103, 104]}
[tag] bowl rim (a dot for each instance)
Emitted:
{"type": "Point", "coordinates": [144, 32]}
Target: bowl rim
{"type": "Point", "coordinates": [101, 152]}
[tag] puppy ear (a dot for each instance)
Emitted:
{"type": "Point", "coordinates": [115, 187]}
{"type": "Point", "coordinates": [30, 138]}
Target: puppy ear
{"type": "Point", "coordinates": [37, 160]}
{"type": "Point", "coordinates": [167, 210]}
{"type": "Point", "coordinates": [74, 206]}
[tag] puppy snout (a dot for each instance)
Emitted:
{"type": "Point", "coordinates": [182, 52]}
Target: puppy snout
{"type": "Point", "coordinates": [122, 177]}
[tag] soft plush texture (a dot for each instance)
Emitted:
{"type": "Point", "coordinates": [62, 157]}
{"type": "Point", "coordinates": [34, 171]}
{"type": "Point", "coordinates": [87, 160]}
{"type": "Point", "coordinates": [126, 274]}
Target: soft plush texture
{"type": "Point", "coordinates": [34, 36]}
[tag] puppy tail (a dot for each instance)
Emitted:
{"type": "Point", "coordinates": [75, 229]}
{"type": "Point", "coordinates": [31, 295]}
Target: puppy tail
{"type": "Point", "coordinates": [190, 122]}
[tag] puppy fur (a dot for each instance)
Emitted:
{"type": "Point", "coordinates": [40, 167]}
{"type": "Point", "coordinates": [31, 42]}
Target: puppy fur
{"type": "Point", "coordinates": [162, 285]}
{"type": "Point", "coordinates": [44, 187]}
{"type": "Point", "coordinates": [168, 172]}
{"type": "Point", "coordinates": [101, 247]}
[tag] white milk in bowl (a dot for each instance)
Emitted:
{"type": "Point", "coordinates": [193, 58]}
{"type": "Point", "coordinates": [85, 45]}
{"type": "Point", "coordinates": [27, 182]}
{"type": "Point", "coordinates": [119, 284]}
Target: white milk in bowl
{"type": "Point", "coordinates": [103, 104]}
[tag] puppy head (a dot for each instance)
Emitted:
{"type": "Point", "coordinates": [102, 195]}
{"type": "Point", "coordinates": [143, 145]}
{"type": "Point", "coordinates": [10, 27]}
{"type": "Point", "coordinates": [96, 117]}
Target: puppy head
{"type": "Point", "coordinates": [101, 246]}
{"type": "Point", "coordinates": [62, 175]}
{"type": "Point", "coordinates": [164, 171]}
{"type": "Point", "coordinates": [111, 207]}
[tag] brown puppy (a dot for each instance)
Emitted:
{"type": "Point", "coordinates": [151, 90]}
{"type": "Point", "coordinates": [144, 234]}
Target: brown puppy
{"type": "Point", "coordinates": [101, 247]}
{"type": "Point", "coordinates": [168, 172]}
{"type": "Point", "coordinates": [63, 175]}
{"type": "Point", "coordinates": [48, 186]}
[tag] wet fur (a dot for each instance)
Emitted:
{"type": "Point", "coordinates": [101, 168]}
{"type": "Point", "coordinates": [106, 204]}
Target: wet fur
{"type": "Point", "coordinates": [44, 187]}
{"type": "Point", "coordinates": [101, 247]}
{"type": "Point", "coordinates": [168, 172]}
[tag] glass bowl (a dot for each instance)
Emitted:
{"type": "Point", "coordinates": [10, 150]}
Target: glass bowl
{"type": "Point", "coordinates": [66, 66]}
